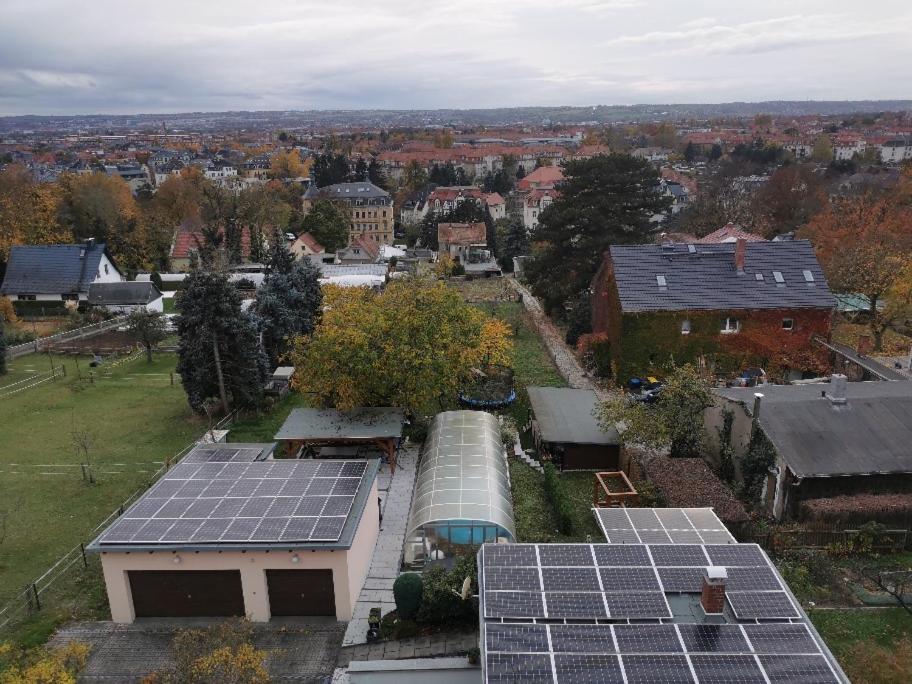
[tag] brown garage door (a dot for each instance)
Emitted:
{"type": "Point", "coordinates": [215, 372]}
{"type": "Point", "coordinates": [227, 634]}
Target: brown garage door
{"type": "Point", "coordinates": [590, 457]}
{"type": "Point", "coordinates": [301, 592]}
{"type": "Point", "coordinates": [186, 593]}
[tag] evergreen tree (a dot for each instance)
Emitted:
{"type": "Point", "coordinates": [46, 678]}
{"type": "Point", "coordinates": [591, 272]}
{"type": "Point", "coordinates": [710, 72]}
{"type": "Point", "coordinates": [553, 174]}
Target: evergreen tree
{"type": "Point", "coordinates": [514, 242]}
{"type": "Point", "coordinates": [375, 174]}
{"type": "Point", "coordinates": [219, 355]}
{"type": "Point", "coordinates": [690, 152]}
{"type": "Point", "coordinates": [288, 302]}
{"type": "Point", "coordinates": [328, 223]}
{"type": "Point", "coordinates": [331, 168]}
{"type": "Point", "coordinates": [361, 169]}
{"type": "Point", "coordinates": [605, 200]}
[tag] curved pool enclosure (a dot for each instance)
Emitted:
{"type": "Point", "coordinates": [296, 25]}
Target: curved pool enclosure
{"type": "Point", "coordinates": [462, 494]}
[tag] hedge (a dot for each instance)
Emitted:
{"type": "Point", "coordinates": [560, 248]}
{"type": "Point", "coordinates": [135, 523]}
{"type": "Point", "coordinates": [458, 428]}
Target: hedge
{"type": "Point", "coordinates": [559, 500]}
{"type": "Point", "coordinates": [41, 308]}
{"type": "Point", "coordinates": [858, 509]}
{"type": "Point", "coordinates": [689, 483]}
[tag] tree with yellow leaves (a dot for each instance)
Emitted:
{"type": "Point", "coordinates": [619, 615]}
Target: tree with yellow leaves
{"type": "Point", "coordinates": [412, 344]}
{"type": "Point", "coordinates": [286, 164]}
{"type": "Point", "coordinates": [28, 211]}
{"type": "Point", "coordinates": [45, 666]}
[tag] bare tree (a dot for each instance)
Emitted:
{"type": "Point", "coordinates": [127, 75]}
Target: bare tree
{"type": "Point", "coordinates": [83, 442]}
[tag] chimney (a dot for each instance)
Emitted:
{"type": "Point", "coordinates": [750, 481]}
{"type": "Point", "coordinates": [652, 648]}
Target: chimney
{"type": "Point", "coordinates": [837, 393]}
{"type": "Point", "coordinates": [758, 397]}
{"type": "Point", "coordinates": [864, 346]}
{"type": "Point", "coordinates": [740, 251]}
{"type": "Point", "coordinates": [712, 597]}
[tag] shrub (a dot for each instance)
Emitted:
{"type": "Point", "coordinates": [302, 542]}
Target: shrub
{"type": "Point", "coordinates": [508, 432]}
{"type": "Point", "coordinates": [440, 602]}
{"type": "Point", "coordinates": [560, 502]}
{"type": "Point", "coordinates": [407, 591]}
{"type": "Point", "coordinates": [7, 311]}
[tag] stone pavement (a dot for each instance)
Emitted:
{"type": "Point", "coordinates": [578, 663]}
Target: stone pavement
{"type": "Point", "coordinates": [298, 650]}
{"type": "Point", "coordinates": [436, 645]}
{"type": "Point", "coordinates": [565, 360]}
{"type": "Point", "coordinates": [396, 497]}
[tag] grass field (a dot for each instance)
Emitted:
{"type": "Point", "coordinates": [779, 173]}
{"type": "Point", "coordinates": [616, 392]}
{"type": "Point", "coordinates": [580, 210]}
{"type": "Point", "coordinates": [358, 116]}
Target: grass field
{"type": "Point", "coordinates": [134, 418]}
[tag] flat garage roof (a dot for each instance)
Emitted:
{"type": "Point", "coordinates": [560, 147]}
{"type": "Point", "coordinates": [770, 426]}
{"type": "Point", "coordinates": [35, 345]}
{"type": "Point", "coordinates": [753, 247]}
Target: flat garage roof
{"type": "Point", "coordinates": [564, 416]}
{"type": "Point", "coordinates": [206, 503]}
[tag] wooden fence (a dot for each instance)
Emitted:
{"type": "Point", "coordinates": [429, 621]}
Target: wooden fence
{"type": "Point", "coordinates": [783, 539]}
{"type": "Point", "coordinates": [43, 343]}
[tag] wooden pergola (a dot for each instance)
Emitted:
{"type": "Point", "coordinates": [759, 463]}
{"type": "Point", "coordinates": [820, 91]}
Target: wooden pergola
{"type": "Point", "coordinates": [614, 490]}
{"type": "Point", "coordinates": [380, 427]}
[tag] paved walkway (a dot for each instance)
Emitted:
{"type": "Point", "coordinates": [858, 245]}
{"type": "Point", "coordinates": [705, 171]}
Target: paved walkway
{"type": "Point", "coordinates": [565, 360]}
{"type": "Point", "coordinates": [436, 645]}
{"type": "Point", "coordinates": [396, 496]}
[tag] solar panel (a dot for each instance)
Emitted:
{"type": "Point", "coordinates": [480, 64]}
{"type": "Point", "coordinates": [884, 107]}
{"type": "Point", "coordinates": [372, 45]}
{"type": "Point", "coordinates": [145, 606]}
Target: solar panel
{"type": "Point", "coordinates": [761, 604]}
{"type": "Point", "coordinates": [610, 555]}
{"type": "Point", "coordinates": [781, 638]}
{"type": "Point", "coordinates": [678, 555]}
{"type": "Point", "coordinates": [638, 605]}
{"type": "Point", "coordinates": [726, 669]}
{"type": "Point", "coordinates": [223, 495]}
{"type": "Point", "coordinates": [506, 667]}
{"type": "Point", "coordinates": [588, 605]}
{"type": "Point", "coordinates": [713, 639]}
{"type": "Point", "coordinates": [685, 537]}
{"type": "Point", "coordinates": [629, 579]}
{"type": "Point", "coordinates": [729, 555]}
{"type": "Point", "coordinates": [517, 638]}
{"type": "Point", "coordinates": [512, 579]}
{"type": "Point", "coordinates": [752, 579]}
{"type": "Point", "coordinates": [644, 519]}
{"type": "Point", "coordinates": [514, 604]}
{"type": "Point", "coordinates": [656, 669]}
{"type": "Point", "coordinates": [581, 639]}
{"type": "Point", "coordinates": [807, 669]}
{"type": "Point", "coordinates": [570, 579]}
{"type": "Point", "coordinates": [647, 639]}
{"type": "Point", "coordinates": [587, 669]}
{"type": "Point", "coordinates": [510, 555]}
{"type": "Point", "coordinates": [681, 580]}
{"type": "Point", "coordinates": [662, 526]}
{"type": "Point", "coordinates": [564, 554]}
{"type": "Point", "coordinates": [654, 537]}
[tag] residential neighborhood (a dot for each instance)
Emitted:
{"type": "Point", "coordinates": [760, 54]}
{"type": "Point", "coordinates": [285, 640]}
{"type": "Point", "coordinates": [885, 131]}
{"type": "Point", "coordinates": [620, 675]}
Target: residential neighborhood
{"type": "Point", "coordinates": [326, 358]}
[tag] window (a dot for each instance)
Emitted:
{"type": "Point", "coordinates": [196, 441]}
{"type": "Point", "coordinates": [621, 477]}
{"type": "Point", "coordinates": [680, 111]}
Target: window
{"type": "Point", "coordinates": [777, 275]}
{"type": "Point", "coordinates": [685, 327]}
{"type": "Point", "coordinates": [788, 323]}
{"type": "Point", "coordinates": [759, 277]}
{"type": "Point", "coordinates": [106, 269]}
{"type": "Point", "coordinates": [26, 298]}
{"type": "Point", "coordinates": [730, 325]}
{"type": "Point", "coordinates": [660, 279]}
{"type": "Point", "coordinates": [808, 277]}
{"type": "Point", "coordinates": [70, 297]}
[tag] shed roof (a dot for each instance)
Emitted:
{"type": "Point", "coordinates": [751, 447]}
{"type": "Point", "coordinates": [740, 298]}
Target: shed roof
{"type": "Point", "coordinates": [704, 278]}
{"type": "Point", "coordinates": [52, 269]}
{"type": "Point", "coordinates": [380, 422]}
{"type": "Point", "coordinates": [565, 416]}
{"type": "Point", "coordinates": [871, 433]}
{"type": "Point", "coordinates": [125, 293]}
{"type": "Point", "coordinates": [463, 474]}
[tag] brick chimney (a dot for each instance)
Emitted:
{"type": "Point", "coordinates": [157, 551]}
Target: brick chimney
{"type": "Point", "coordinates": [713, 596]}
{"type": "Point", "coordinates": [740, 251]}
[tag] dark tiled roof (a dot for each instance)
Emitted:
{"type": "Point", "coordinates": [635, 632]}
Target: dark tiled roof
{"type": "Point", "coordinates": [868, 434]}
{"type": "Point", "coordinates": [348, 191]}
{"type": "Point", "coordinates": [52, 269]}
{"type": "Point", "coordinates": [703, 277]}
{"type": "Point", "coordinates": [123, 293]}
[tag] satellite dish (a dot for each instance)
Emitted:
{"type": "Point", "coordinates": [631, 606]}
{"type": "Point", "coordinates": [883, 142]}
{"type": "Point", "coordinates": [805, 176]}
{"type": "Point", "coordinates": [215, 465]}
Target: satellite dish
{"type": "Point", "coordinates": [466, 588]}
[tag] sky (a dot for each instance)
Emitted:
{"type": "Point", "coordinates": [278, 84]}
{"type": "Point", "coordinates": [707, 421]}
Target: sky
{"type": "Point", "coordinates": [129, 56]}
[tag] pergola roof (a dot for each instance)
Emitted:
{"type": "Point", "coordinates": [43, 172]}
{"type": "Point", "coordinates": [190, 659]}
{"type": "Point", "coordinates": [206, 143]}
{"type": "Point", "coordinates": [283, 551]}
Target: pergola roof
{"type": "Point", "coordinates": [368, 423]}
{"type": "Point", "coordinates": [463, 474]}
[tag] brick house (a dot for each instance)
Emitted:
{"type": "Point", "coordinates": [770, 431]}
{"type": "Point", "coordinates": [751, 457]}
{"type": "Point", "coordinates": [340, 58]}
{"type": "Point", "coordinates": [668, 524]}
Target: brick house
{"type": "Point", "coordinates": [724, 306]}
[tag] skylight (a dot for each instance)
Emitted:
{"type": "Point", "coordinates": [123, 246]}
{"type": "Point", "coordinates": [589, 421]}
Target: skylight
{"type": "Point", "coordinates": [778, 276]}
{"type": "Point", "coordinates": [759, 276]}
{"type": "Point", "coordinates": [660, 279]}
{"type": "Point", "coordinates": [808, 276]}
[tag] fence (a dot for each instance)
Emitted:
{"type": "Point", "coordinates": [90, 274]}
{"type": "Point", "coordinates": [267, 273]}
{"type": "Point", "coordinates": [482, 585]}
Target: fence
{"type": "Point", "coordinates": [46, 342]}
{"type": "Point", "coordinates": [32, 381]}
{"type": "Point", "coordinates": [30, 599]}
{"type": "Point", "coordinates": [778, 540]}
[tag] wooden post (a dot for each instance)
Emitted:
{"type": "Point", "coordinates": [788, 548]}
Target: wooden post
{"type": "Point", "coordinates": [37, 600]}
{"type": "Point", "coordinates": [172, 379]}
{"type": "Point", "coordinates": [85, 561]}
{"type": "Point", "coordinates": [63, 369]}
{"type": "Point", "coordinates": [218, 372]}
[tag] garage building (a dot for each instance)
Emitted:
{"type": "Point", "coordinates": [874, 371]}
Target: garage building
{"type": "Point", "coordinates": [230, 531]}
{"type": "Point", "coordinates": [564, 427]}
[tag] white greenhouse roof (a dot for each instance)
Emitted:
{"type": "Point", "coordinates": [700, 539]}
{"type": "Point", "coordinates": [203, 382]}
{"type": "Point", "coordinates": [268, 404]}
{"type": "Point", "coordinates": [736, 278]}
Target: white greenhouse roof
{"type": "Point", "coordinates": [463, 474]}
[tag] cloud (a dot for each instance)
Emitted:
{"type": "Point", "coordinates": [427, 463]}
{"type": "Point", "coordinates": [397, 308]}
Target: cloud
{"type": "Point", "coordinates": [57, 56]}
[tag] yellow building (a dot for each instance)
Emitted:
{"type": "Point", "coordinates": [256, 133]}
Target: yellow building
{"type": "Point", "coordinates": [370, 208]}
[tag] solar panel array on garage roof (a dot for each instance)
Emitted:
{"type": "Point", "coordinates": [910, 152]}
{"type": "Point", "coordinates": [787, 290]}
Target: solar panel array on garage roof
{"type": "Point", "coordinates": [662, 526]}
{"type": "Point", "coordinates": [598, 613]}
{"type": "Point", "coordinates": [237, 501]}
{"type": "Point", "coordinates": [226, 453]}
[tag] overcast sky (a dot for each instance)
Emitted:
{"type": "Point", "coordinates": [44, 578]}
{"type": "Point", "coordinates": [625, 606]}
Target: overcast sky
{"type": "Point", "coordinates": [128, 56]}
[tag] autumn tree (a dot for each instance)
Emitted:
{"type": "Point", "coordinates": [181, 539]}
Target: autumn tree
{"type": "Point", "coordinates": [100, 206]}
{"type": "Point", "coordinates": [674, 421]}
{"type": "Point", "coordinates": [414, 177]}
{"type": "Point", "coordinates": [219, 354]}
{"type": "Point", "coordinates": [822, 151]}
{"type": "Point", "coordinates": [412, 344]}
{"type": "Point", "coordinates": [329, 224]}
{"type": "Point", "coordinates": [793, 194]}
{"type": "Point", "coordinates": [864, 244]}
{"type": "Point", "coordinates": [28, 212]}
{"type": "Point", "coordinates": [44, 665]}
{"type": "Point", "coordinates": [286, 164]}
{"type": "Point", "coordinates": [604, 200]}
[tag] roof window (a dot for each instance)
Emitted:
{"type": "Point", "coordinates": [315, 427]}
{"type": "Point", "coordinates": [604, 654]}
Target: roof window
{"type": "Point", "coordinates": [660, 279]}
{"type": "Point", "coordinates": [759, 277]}
{"type": "Point", "coordinates": [778, 276]}
{"type": "Point", "coordinates": [808, 277]}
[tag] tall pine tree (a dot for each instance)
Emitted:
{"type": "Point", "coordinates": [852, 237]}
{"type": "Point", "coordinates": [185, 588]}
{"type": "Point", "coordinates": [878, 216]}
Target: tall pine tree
{"type": "Point", "coordinates": [288, 302]}
{"type": "Point", "coordinates": [219, 355]}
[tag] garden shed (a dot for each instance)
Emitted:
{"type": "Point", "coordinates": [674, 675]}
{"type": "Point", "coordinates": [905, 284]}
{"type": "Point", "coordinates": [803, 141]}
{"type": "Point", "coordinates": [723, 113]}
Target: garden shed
{"type": "Point", "coordinates": [462, 495]}
{"type": "Point", "coordinates": [564, 427]}
{"type": "Point", "coordinates": [379, 427]}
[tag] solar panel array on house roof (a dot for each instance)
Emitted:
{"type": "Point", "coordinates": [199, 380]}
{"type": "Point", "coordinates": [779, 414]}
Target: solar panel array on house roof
{"type": "Point", "coordinates": [662, 526]}
{"type": "Point", "coordinates": [567, 613]}
{"type": "Point", "coordinates": [222, 495]}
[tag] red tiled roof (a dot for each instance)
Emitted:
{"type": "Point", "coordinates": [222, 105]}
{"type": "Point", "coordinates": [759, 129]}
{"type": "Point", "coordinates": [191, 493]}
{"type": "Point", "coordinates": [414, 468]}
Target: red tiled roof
{"type": "Point", "coordinates": [371, 248]}
{"type": "Point", "coordinates": [729, 233]}
{"type": "Point", "coordinates": [493, 198]}
{"type": "Point", "coordinates": [535, 197]}
{"type": "Point", "coordinates": [310, 242]}
{"type": "Point", "coordinates": [543, 176]}
{"type": "Point", "coordinates": [189, 238]}
{"type": "Point", "coordinates": [462, 233]}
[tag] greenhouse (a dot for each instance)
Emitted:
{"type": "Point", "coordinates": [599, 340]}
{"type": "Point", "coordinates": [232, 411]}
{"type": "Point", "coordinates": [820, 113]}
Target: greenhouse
{"type": "Point", "coordinates": [462, 495]}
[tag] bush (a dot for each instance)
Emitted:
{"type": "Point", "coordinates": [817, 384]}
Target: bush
{"type": "Point", "coordinates": [557, 497]}
{"type": "Point", "coordinates": [458, 270]}
{"type": "Point", "coordinates": [407, 591]}
{"type": "Point", "coordinates": [439, 604]}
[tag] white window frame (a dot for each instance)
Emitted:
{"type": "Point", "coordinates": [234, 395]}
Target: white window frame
{"type": "Point", "coordinates": [728, 328]}
{"type": "Point", "coordinates": [791, 324]}
{"type": "Point", "coordinates": [685, 326]}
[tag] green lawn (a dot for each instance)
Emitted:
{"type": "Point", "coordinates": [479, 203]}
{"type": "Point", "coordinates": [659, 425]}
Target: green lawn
{"type": "Point", "coordinates": [135, 419]}
{"type": "Point", "coordinates": [843, 629]}
{"type": "Point", "coordinates": [262, 428]}
{"type": "Point", "coordinates": [169, 304]}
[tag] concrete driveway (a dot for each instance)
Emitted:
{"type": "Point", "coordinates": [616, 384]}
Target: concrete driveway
{"type": "Point", "coordinates": [299, 650]}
